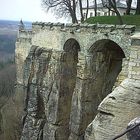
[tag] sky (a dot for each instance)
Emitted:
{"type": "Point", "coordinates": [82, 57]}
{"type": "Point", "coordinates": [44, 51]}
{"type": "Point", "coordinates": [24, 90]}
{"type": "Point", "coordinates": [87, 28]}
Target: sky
{"type": "Point", "coordinates": [27, 10]}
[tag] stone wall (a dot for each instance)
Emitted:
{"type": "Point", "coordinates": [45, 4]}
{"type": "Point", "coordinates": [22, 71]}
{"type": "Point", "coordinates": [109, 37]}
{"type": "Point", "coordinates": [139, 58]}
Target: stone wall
{"type": "Point", "coordinates": [66, 71]}
{"type": "Point", "coordinates": [23, 45]}
{"type": "Point", "coordinates": [134, 63]}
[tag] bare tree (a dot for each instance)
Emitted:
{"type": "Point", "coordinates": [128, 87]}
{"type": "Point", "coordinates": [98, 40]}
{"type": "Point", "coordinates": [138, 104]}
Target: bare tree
{"type": "Point", "coordinates": [62, 7]}
{"type": "Point", "coordinates": [105, 3]}
{"type": "Point", "coordinates": [95, 8]}
{"type": "Point", "coordinates": [87, 9]}
{"type": "Point", "coordinates": [81, 11]}
{"type": "Point", "coordinates": [128, 2]}
{"type": "Point", "coordinates": [66, 7]}
{"type": "Point", "coordinates": [138, 8]}
{"type": "Point", "coordinates": [86, 4]}
{"type": "Point", "coordinates": [112, 6]}
{"type": "Point", "coordinates": [112, 3]}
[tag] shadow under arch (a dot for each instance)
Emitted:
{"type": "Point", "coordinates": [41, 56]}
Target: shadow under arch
{"type": "Point", "coordinates": [104, 64]}
{"type": "Point", "coordinates": [106, 60]}
{"type": "Point", "coordinates": [71, 44]}
{"type": "Point", "coordinates": [106, 44]}
{"type": "Point", "coordinates": [68, 74]}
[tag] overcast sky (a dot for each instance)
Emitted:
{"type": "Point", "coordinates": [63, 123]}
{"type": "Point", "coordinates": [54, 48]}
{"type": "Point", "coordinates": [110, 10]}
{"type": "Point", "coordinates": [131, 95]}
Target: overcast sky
{"type": "Point", "coordinates": [28, 10]}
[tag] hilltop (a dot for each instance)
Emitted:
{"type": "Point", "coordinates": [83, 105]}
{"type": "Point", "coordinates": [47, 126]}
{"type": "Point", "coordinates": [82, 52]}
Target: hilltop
{"type": "Point", "coordinates": [129, 20]}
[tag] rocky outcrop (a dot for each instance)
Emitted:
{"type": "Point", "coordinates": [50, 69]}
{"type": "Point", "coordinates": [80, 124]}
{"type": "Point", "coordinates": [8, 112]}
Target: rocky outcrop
{"type": "Point", "coordinates": [122, 105]}
{"type": "Point", "coordinates": [115, 111]}
{"type": "Point", "coordinates": [66, 74]}
{"type": "Point", "coordinates": [61, 101]}
{"type": "Point", "coordinates": [49, 81]}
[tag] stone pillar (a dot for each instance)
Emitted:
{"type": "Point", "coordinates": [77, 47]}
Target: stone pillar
{"type": "Point", "coordinates": [85, 97]}
{"type": "Point", "coordinates": [134, 64]}
{"type": "Point", "coordinates": [60, 82]}
{"type": "Point", "coordinates": [49, 78]}
{"type": "Point", "coordinates": [77, 110]}
{"type": "Point", "coordinates": [123, 74]}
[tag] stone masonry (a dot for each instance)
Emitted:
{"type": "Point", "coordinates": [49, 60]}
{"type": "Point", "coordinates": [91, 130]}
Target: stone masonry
{"type": "Point", "coordinates": [66, 71]}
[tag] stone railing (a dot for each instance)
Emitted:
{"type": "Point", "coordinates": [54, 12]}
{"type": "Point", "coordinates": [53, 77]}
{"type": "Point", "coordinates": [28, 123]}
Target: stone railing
{"type": "Point", "coordinates": [82, 27]}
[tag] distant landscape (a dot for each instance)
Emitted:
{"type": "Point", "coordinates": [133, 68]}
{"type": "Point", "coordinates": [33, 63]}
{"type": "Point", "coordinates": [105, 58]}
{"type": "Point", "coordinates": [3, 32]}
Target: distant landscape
{"type": "Point", "coordinates": [8, 34]}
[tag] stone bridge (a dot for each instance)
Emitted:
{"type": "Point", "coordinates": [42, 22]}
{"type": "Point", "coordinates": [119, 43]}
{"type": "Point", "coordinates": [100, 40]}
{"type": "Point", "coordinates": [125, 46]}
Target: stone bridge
{"type": "Point", "coordinates": [65, 72]}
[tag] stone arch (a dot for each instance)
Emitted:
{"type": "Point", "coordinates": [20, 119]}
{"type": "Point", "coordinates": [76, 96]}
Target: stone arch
{"type": "Point", "coordinates": [99, 44]}
{"type": "Point", "coordinates": [106, 60]}
{"type": "Point", "coordinates": [71, 44]}
{"type": "Point", "coordinates": [104, 63]}
{"type": "Point", "coordinates": [124, 42]}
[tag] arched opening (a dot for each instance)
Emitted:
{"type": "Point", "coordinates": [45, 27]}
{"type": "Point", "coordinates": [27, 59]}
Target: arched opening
{"type": "Point", "coordinates": [68, 75]}
{"type": "Point", "coordinates": [103, 64]}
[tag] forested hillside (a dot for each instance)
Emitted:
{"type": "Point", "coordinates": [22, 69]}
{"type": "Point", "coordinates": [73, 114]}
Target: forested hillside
{"type": "Point", "coordinates": [7, 47]}
{"type": "Point", "coordinates": [8, 31]}
{"type": "Point", "coordinates": [8, 109]}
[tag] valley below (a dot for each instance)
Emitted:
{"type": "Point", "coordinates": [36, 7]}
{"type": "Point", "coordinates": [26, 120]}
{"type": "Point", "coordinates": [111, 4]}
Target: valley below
{"type": "Point", "coordinates": [9, 120]}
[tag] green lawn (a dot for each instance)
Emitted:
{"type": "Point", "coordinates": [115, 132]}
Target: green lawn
{"type": "Point", "coordinates": [129, 20]}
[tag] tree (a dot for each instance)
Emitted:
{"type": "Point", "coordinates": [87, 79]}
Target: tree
{"type": "Point", "coordinates": [95, 8]}
{"type": "Point", "coordinates": [112, 6]}
{"type": "Point", "coordinates": [105, 3]}
{"type": "Point", "coordinates": [62, 7]}
{"type": "Point", "coordinates": [7, 81]}
{"type": "Point", "coordinates": [81, 11]}
{"type": "Point", "coordinates": [66, 7]}
{"type": "Point", "coordinates": [85, 3]}
{"type": "Point", "coordinates": [112, 3]}
{"type": "Point", "coordinates": [128, 2]}
{"type": "Point", "coordinates": [87, 9]}
{"type": "Point", "coordinates": [138, 8]}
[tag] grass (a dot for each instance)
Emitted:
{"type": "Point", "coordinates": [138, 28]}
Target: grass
{"type": "Point", "coordinates": [129, 20]}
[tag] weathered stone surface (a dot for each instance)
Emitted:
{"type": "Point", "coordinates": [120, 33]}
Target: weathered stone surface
{"type": "Point", "coordinates": [67, 72]}
{"type": "Point", "coordinates": [115, 112]}
{"type": "Point", "coordinates": [119, 107]}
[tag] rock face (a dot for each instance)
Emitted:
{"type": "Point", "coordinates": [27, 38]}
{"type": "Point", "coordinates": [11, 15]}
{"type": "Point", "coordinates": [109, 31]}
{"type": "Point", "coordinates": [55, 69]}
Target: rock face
{"type": "Point", "coordinates": [122, 105]}
{"type": "Point", "coordinates": [50, 80]}
{"type": "Point", "coordinates": [115, 111]}
{"type": "Point", "coordinates": [134, 133]}
{"type": "Point", "coordinates": [65, 75]}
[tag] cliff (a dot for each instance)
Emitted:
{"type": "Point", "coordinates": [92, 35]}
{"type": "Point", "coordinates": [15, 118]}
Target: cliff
{"type": "Point", "coordinates": [65, 72]}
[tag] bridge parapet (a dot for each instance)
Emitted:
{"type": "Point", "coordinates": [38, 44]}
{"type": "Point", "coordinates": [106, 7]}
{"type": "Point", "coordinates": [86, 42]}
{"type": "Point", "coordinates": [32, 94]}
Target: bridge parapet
{"type": "Point", "coordinates": [82, 27]}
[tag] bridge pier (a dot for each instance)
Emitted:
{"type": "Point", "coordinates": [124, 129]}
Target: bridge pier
{"type": "Point", "coordinates": [95, 81]}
